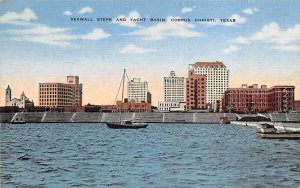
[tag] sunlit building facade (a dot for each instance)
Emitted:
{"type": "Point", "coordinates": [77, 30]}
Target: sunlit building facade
{"type": "Point", "coordinates": [173, 92]}
{"type": "Point", "coordinates": [61, 94]}
{"type": "Point", "coordinates": [137, 90]}
{"type": "Point", "coordinates": [217, 79]}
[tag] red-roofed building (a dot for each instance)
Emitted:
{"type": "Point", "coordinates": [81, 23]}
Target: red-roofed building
{"type": "Point", "coordinates": [209, 64]}
{"type": "Point", "coordinates": [217, 80]}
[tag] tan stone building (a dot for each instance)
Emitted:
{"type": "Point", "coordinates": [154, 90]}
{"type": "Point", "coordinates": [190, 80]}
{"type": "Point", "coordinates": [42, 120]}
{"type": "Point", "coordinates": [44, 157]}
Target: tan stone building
{"type": "Point", "coordinates": [61, 94]}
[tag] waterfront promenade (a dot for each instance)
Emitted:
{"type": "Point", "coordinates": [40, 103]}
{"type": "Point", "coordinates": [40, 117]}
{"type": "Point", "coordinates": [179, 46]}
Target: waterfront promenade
{"type": "Point", "coordinates": [150, 117]}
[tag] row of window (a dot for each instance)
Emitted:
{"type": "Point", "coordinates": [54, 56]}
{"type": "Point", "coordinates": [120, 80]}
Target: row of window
{"type": "Point", "coordinates": [191, 103]}
{"type": "Point", "coordinates": [56, 89]}
{"type": "Point", "coordinates": [56, 99]}
{"type": "Point", "coordinates": [246, 100]}
{"type": "Point", "coordinates": [193, 98]}
{"type": "Point", "coordinates": [55, 96]}
{"type": "Point", "coordinates": [215, 72]}
{"type": "Point", "coordinates": [174, 93]}
{"type": "Point", "coordinates": [53, 104]}
{"type": "Point", "coordinates": [54, 93]}
{"type": "Point", "coordinates": [173, 88]}
{"type": "Point", "coordinates": [174, 81]}
{"type": "Point", "coordinates": [221, 68]}
{"type": "Point", "coordinates": [168, 104]}
{"type": "Point", "coordinates": [256, 105]}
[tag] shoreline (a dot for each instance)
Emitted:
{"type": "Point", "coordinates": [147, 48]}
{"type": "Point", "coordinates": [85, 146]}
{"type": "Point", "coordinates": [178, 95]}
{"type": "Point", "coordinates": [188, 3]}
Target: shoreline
{"type": "Point", "coordinates": [148, 117]}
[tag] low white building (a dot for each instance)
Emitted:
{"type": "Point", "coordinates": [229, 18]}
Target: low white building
{"type": "Point", "coordinates": [171, 106]}
{"type": "Point", "coordinates": [23, 102]}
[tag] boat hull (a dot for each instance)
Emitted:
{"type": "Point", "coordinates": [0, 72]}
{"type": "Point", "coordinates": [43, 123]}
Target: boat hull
{"type": "Point", "coordinates": [266, 130]}
{"type": "Point", "coordinates": [288, 136]}
{"type": "Point", "coordinates": [114, 125]}
{"type": "Point", "coordinates": [18, 122]}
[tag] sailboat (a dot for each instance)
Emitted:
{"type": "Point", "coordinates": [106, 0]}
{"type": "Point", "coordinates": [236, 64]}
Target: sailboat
{"type": "Point", "coordinates": [125, 124]}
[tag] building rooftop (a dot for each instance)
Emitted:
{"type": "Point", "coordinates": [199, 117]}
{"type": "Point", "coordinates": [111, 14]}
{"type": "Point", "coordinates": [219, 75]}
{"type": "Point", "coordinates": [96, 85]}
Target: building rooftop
{"type": "Point", "coordinates": [280, 86]}
{"type": "Point", "coordinates": [172, 74]}
{"type": "Point", "coordinates": [209, 64]}
{"type": "Point", "coordinates": [255, 86]}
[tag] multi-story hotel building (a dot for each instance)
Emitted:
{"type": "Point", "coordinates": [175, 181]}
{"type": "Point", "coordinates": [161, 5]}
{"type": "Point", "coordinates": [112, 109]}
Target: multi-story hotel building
{"type": "Point", "coordinates": [173, 88]}
{"type": "Point", "coordinates": [217, 79]}
{"type": "Point", "coordinates": [173, 92]}
{"type": "Point", "coordinates": [195, 91]}
{"type": "Point", "coordinates": [61, 94]}
{"type": "Point", "coordinates": [137, 90]}
{"type": "Point", "coordinates": [255, 99]}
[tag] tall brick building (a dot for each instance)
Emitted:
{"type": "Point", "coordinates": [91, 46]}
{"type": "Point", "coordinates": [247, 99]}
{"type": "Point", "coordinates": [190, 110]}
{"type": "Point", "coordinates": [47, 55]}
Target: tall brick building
{"type": "Point", "coordinates": [255, 99]}
{"type": "Point", "coordinates": [297, 106]}
{"type": "Point", "coordinates": [195, 91]}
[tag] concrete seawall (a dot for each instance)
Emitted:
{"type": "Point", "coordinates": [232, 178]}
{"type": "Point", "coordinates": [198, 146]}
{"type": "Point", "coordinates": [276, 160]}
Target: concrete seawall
{"type": "Point", "coordinates": [150, 117]}
{"type": "Point", "coordinates": [97, 117]}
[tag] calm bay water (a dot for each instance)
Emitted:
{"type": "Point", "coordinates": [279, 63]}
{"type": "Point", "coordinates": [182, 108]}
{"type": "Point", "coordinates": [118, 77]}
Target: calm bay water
{"type": "Point", "coordinates": [162, 155]}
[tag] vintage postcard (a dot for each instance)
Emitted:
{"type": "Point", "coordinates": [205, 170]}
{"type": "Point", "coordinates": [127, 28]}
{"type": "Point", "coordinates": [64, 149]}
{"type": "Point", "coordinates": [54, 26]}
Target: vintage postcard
{"type": "Point", "coordinates": [133, 93]}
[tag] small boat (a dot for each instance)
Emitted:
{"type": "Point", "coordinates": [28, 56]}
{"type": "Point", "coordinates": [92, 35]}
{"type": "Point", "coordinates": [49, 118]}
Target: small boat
{"type": "Point", "coordinates": [266, 128]}
{"type": "Point", "coordinates": [268, 131]}
{"type": "Point", "coordinates": [126, 125]}
{"type": "Point", "coordinates": [18, 121]}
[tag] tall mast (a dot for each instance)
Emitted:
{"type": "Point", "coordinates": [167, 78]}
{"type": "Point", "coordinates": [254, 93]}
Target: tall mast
{"type": "Point", "coordinates": [123, 84]}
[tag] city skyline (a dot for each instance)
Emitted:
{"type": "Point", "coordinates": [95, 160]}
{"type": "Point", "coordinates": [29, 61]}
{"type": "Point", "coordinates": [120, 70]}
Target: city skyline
{"type": "Point", "coordinates": [39, 44]}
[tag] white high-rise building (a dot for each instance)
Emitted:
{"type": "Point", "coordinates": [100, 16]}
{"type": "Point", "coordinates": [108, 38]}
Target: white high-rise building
{"type": "Point", "coordinates": [173, 93]}
{"type": "Point", "coordinates": [217, 79]}
{"type": "Point", "coordinates": [173, 88]}
{"type": "Point", "coordinates": [137, 90]}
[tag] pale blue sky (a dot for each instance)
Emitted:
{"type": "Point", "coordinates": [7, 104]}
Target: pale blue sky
{"type": "Point", "coordinates": [39, 43]}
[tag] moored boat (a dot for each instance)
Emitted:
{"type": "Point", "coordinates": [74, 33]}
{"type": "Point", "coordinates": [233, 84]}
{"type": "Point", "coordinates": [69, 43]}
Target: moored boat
{"type": "Point", "coordinates": [126, 125]}
{"type": "Point", "coordinates": [18, 121]}
{"type": "Point", "coordinates": [266, 128]}
{"type": "Point", "coordinates": [268, 131]}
